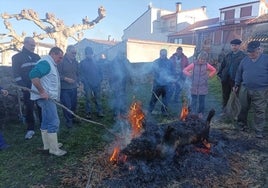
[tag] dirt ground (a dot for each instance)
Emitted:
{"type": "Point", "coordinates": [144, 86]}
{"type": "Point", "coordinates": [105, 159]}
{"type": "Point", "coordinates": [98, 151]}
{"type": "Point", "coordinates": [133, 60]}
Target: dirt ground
{"type": "Point", "coordinates": [237, 159]}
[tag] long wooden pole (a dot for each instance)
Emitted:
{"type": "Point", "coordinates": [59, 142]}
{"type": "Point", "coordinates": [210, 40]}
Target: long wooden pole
{"type": "Point", "coordinates": [67, 109]}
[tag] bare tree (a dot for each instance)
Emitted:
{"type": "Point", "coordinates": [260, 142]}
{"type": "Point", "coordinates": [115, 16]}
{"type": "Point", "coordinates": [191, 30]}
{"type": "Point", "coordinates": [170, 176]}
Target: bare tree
{"type": "Point", "coordinates": [16, 39]}
{"type": "Point", "coordinates": [54, 28]}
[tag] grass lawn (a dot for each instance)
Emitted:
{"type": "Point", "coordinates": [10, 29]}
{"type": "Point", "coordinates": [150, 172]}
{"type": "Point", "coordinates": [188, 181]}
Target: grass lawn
{"type": "Point", "coordinates": [22, 165]}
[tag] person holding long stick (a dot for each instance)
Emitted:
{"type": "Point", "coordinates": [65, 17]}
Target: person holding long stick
{"type": "Point", "coordinates": [163, 77]}
{"type": "Point", "coordinates": [46, 84]}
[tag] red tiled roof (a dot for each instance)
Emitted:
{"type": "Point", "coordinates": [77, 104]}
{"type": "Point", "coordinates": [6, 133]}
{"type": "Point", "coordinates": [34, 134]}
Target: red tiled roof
{"type": "Point", "coordinates": [107, 42]}
{"type": "Point", "coordinates": [204, 23]}
{"type": "Point", "coordinates": [260, 19]}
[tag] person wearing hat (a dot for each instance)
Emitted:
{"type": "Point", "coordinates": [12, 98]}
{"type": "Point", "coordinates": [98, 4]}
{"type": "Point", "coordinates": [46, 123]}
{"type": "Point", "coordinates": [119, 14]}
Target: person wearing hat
{"type": "Point", "coordinates": [227, 71]}
{"type": "Point", "coordinates": [252, 83]}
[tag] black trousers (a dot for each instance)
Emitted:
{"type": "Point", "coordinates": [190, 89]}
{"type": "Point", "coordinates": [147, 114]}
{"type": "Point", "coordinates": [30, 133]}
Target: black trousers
{"type": "Point", "coordinates": [226, 91]}
{"type": "Point", "coordinates": [29, 110]}
{"type": "Point", "coordinates": [165, 92]}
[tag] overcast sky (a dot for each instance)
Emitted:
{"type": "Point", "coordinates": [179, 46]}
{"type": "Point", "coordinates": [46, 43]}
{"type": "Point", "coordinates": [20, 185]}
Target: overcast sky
{"type": "Point", "coordinates": [119, 13]}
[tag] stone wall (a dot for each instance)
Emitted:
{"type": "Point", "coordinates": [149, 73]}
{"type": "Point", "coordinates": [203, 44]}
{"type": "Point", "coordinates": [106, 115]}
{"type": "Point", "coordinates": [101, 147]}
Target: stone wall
{"type": "Point", "coordinates": [9, 105]}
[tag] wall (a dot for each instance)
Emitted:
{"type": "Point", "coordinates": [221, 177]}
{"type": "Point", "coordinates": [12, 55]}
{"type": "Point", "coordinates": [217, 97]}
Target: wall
{"type": "Point", "coordinates": [148, 51]}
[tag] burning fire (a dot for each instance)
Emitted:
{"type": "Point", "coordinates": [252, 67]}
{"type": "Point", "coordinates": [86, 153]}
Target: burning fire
{"type": "Point", "coordinates": [116, 158]}
{"type": "Point", "coordinates": [184, 111]}
{"type": "Point", "coordinates": [206, 147]}
{"type": "Point", "coordinates": [136, 117]}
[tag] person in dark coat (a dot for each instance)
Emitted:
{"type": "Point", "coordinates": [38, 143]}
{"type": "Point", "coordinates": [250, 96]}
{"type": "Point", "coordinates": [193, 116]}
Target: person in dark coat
{"type": "Point", "coordinates": [22, 64]}
{"type": "Point", "coordinates": [227, 70]}
{"type": "Point", "coordinates": [252, 81]}
{"type": "Point", "coordinates": [179, 62]}
{"type": "Point", "coordinates": [91, 77]}
{"type": "Point", "coordinates": [163, 78]}
{"type": "Point", "coordinates": [119, 77]}
{"type": "Point", "coordinates": [68, 70]}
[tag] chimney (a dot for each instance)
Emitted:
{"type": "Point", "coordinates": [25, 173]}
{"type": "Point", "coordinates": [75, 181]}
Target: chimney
{"type": "Point", "coordinates": [150, 5]}
{"type": "Point", "coordinates": [178, 7]}
{"type": "Point", "coordinates": [204, 9]}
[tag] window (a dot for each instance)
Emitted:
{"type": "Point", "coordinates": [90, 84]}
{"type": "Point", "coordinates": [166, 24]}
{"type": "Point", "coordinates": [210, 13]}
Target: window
{"type": "Point", "coordinates": [178, 41]}
{"type": "Point", "coordinates": [229, 16]}
{"type": "Point", "coordinates": [246, 11]}
{"type": "Point", "coordinates": [217, 37]}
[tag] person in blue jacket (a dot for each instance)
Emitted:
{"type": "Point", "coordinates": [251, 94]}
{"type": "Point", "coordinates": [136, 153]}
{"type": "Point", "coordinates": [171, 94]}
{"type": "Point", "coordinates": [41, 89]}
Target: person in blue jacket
{"type": "Point", "coordinates": [3, 144]}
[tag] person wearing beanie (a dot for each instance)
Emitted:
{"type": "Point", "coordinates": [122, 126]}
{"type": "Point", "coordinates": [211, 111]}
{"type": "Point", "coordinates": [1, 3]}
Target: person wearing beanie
{"type": "Point", "coordinates": [227, 71]}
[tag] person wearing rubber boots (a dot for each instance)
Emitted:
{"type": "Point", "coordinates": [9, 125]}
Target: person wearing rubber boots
{"type": "Point", "coordinates": [45, 89]}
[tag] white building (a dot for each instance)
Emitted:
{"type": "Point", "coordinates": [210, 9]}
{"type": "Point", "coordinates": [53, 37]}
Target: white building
{"type": "Point", "coordinates": [156, 24]}
{"type": "Point", "coordinates": [41, 49]}
{"type": "Point", "coordinates": [241, 12]}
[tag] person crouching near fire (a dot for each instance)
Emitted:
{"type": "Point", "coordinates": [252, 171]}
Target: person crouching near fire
{"type": "Point", "coordinates": [199, 71]}
{"type": "Point", "coordinates": [46, 84]}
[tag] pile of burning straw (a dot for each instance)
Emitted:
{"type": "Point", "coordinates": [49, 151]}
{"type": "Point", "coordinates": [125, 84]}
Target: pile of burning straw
{"type": "Point", "coordinates": [184, 153]}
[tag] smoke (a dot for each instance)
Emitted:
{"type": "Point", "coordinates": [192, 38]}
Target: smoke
{"type": "Point", "coordinates": [186, 87]}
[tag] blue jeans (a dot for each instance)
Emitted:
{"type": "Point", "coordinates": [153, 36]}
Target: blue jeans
{"type": "Point", "coordinates": [50, 118]}
{"type": "Point", "coordinates": [96, 92]}
{"type": "Point", "coordinates": [200, 107]}
{"type": "Point", "coordinates": [68, 98]}
{"type": "Point", "coordinates": [177, 91]}
{"type": "Point", "coordinates": [2, 141]}
{"type": "Point", "coordinates": [119, 102]}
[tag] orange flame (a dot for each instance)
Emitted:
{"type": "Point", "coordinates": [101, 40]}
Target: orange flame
{"type": "Point", "coordinates": [206, 148]}
{"type": "Point", "coordinates": [206, 144]}
{"type": "Point", "coordinates": [114, 157]}
{"type": "Point", "coordinates": [184, 112]}
{"type": "Point", "coordinates": [136, 117]}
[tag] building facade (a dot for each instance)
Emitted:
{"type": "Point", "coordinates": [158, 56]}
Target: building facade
{"type": "Point", "coordinates": [156, 24]}
{"type": "Point", "coordinates": [237, 21]}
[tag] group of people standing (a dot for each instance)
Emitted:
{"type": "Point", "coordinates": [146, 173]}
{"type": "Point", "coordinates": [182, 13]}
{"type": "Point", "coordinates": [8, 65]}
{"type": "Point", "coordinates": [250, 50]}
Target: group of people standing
{"type": "Point", "coordinates": [247, 76]}
{"type": "Point", "coordinates": [57, 76]}
{"type": "Point", "coordinates": [170, 75]}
